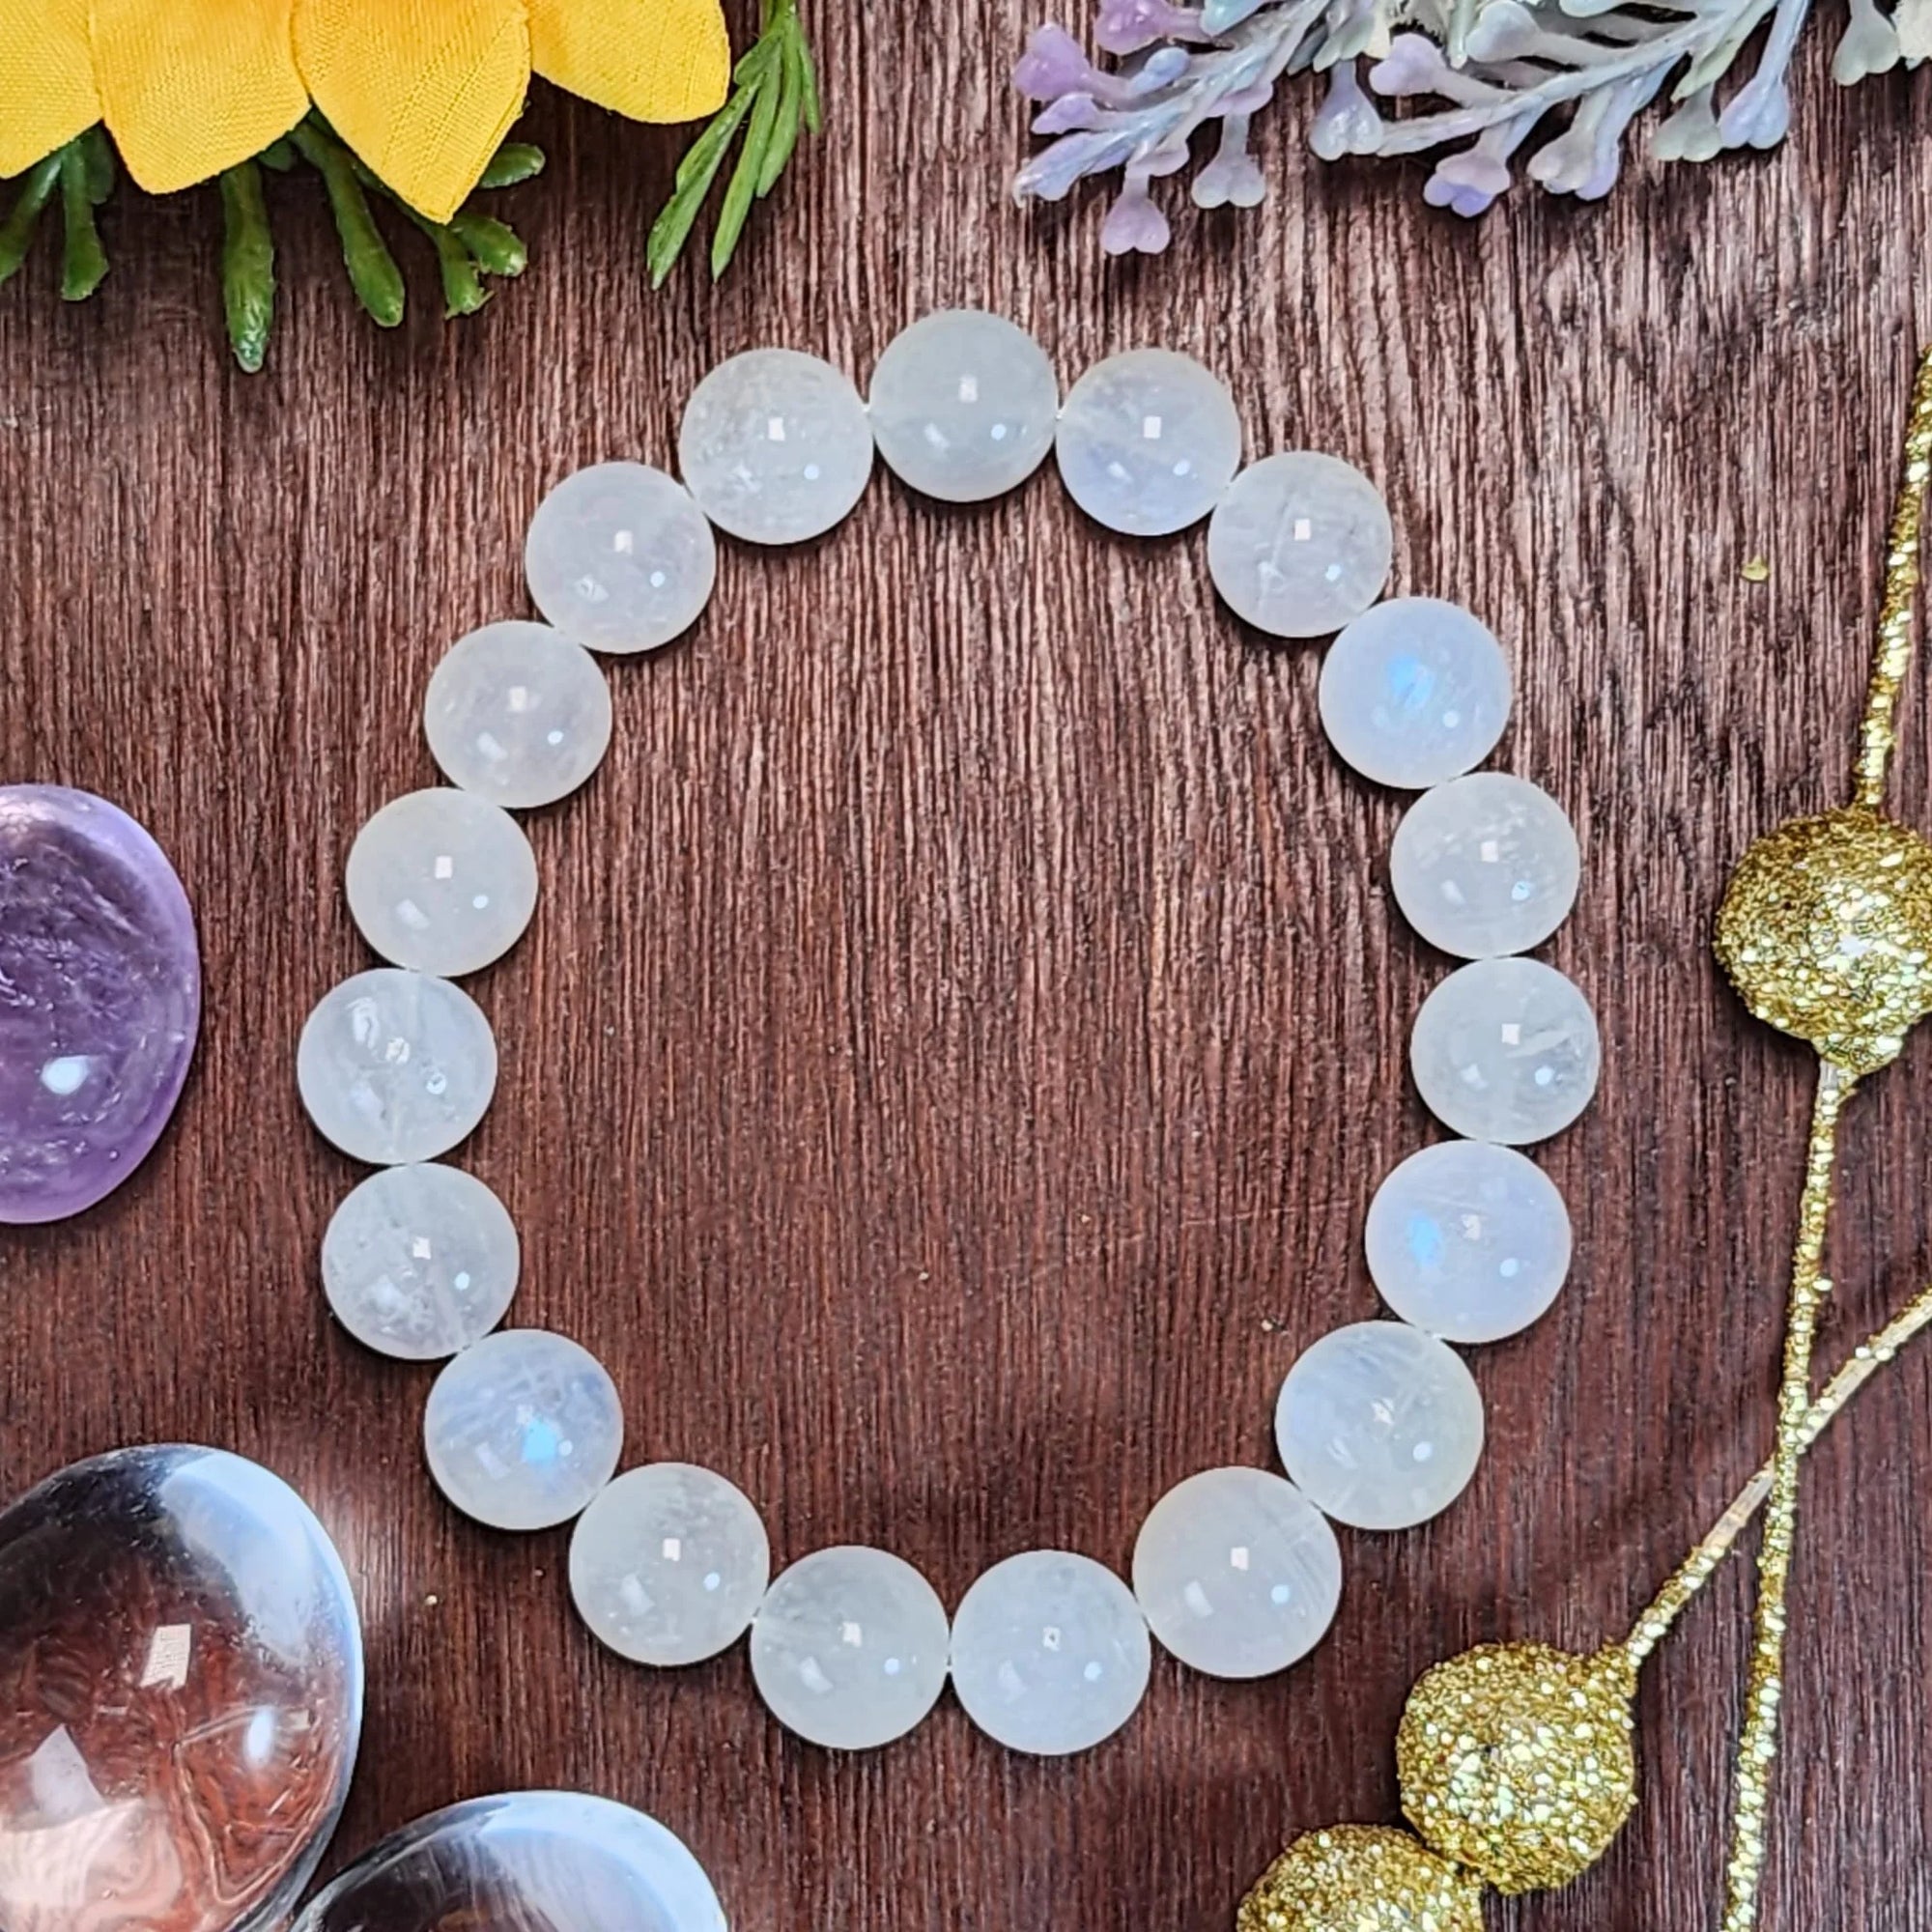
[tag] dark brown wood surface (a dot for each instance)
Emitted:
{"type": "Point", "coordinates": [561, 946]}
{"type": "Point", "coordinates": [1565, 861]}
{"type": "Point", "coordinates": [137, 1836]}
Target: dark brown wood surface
{"type": "Point", "coordinates": [966, 1019]}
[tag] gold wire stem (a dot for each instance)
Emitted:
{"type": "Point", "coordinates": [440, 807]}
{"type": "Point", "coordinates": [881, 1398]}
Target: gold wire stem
{"type": "Point", "coordinates": [1697, 1568]}
{"type": "Point", "coordinates": [1757, 1748]}
{"type": "Point", "coordinates": [1893, 660]}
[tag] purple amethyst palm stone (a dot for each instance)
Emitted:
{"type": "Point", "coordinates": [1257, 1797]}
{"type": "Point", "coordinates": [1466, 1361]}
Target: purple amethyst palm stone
{"type": "Point", "coordinates": [100, 999]}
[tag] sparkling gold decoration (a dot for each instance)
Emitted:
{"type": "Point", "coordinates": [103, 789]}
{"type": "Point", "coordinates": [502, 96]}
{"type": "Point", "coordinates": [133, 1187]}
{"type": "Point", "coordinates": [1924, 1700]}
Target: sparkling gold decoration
{"type": "Point", "coordinates": [1362, 1878]}
{"type": "Point", "coordinates": [1516, 1761]}
{"type": "Point", "coordinates": [1827, 932]}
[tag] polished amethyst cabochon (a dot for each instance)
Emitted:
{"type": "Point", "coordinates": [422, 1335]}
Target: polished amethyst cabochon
{"type": "Point", "coordinates": [100, 999]}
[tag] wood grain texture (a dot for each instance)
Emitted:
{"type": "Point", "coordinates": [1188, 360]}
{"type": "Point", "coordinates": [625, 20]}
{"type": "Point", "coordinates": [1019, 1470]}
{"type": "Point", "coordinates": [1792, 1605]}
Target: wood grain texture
{"type": "Point", "coordinates": [966, 1019]}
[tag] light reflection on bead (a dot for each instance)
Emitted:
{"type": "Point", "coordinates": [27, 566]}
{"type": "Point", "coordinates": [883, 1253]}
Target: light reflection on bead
{"type": "Point", "coordinates": [523, 1430]}
{"type": "Point", "coordinates": [1238, 1574]}
{"type": "Point", "coordinates": [668, 1565]}
{"type": "Point", "coordinates": [518, 714]}
{"type": "Point", "coordinates": [775, 447]}
{"type": "Point", "coordinates": [396, 1066]}
{"type": "Point", "coordinates": [848, 1648]}
{"type": "Point", "coordinates": [1506, 1050]}
{"type": "Point", "coordinates": [441, 882]}
{"type": "Point", "coordinates": [1379, 1425]}
{"type": "Point", "coordinates": [1469, 1242]}
{"type": "Point", "coordinates": [964, 405]}
{"type": "Point", "coordinates": [1300, 544]}
{"type": "Point", "coordinates": [1050, 1653]}
{"type": "Point", "coordinates": [620, 559]}
{"type": "Point", "coordinates": [1485, 866]}
{"type": "Point", "coordinates": [1148, 442]}
{"type": "Point", "coordinates": [1415, 692]}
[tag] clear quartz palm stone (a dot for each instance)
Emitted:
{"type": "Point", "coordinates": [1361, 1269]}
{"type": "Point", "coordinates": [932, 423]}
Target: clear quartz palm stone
{"type": "Point", "coordinates": [1149, 441]}
{"type": "Point", "coordinates": [1300, 544]}
{"type": "Point", "coordinates": [396, 1066]}
{"type": "Point", "coordinates": [1506, 1050]}
{"type": "Point", "coordinates": [181, 1696]}
{"type": "Point", "coordinates": [775, 447]}
{"type": "Point", "coordinates": [100, 999]}
{"type": "Point", "coordinates": [620, 559]}
{"type": "Point", "coordinates": [964, 405]}
{"type": "Point", "coordinates": [531, 1862]}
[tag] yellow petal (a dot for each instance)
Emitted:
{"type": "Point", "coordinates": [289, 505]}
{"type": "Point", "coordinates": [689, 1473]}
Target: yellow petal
{"type": "Point", "coordinates": [423, 93]}
{"type": "Point", "coordinates": [654, 59]}
{"type": "Point", "coordinates": [190, 86]}
{"type": "Point", "coordinates": [46, 80]}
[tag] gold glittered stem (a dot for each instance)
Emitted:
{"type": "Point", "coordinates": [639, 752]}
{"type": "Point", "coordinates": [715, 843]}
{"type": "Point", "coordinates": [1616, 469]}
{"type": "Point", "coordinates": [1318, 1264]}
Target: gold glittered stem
{"type": "Point", "coordinates": [1757, 1748]}
{"type": "Point", "coordinates": [1879, 733]}
{"type": "Point", "coordinates": [1699, 1566]}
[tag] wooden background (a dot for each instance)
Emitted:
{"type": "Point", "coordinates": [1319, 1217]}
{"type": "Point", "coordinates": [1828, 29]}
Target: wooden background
{"type": "Point", "coordinates": [965, 1022]}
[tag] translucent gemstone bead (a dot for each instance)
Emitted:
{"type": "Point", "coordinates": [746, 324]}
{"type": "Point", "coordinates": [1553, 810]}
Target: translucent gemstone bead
{"type": "Point", "coordinates": [523, 1430]}
{"type": "Point", "coordinates": [1379, 1425]}
{"type": "Point", "coordinates": [775, 447]}
{"type": "Point", "coordinates": [531, 1862]}
{"type": "Point", "coordinates": [669, 1564]}
{"type": "Point", "coordinates": [1506, 1050]}
{"type": "Point", "coordinates": [965, 406]}
{"type": "Point", "coordinates": [1050, 1653]}
{"type": "Point", "coordinates": [849, 1648]}
{"type": "Point", "coordinates": [1300, 544]}
{"type": "Point", "coordinates": [1148, 442]}
{"type": "Point", "coordinates": [420, 1262]}
{"type": "Point", "coordinates": [441, 882]}
{"type": "Point", "coordinates": [518, 714]}
{"type": "Point", "coordinates": [1469, 1242]}
{"type": "Point", "coordinates": [100, 999]}
{"type": "Point", "coordinates": [1485, 866]}
{"type": "Point", "coordinates": [619, 559]}
{"type": "Point", "coordinates": [1238, 1573]}
{"type": "Point", "coordinates": [181, 1668]}
{"type": "Point", "coordinates": [396, 1066]}
{"type": "Point", "coordinates": [1415, 692]}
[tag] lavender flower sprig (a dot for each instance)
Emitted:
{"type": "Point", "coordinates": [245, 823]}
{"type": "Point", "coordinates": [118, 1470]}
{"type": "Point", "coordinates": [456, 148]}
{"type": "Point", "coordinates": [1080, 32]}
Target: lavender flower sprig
{"type": "Point", "coordinates": [1502, 69]}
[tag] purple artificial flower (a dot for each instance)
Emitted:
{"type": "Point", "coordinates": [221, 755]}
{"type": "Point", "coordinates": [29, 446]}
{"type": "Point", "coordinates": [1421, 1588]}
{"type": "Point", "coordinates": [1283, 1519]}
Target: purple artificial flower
{"type": "Point", "coordinates": [1126, 26]}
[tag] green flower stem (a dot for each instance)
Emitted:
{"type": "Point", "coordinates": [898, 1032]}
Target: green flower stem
{"type": "Point", "coordinates": [83, 260]}
{"type": "Point", "coordinates": [371, 269]}
{"type": "Point", "coordinates": [247, 265]}
{"type": "Point", "coordinates": [17, 232]}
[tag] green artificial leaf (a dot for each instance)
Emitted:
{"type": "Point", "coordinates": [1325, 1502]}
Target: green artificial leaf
{"type": "Point", "coordinates": [513, 162]}
{"type": "Point", "coordinates": [745, 178]}
{"type": "Point", "coordinates": [694, 175]}
{"type": "Point", "coordinates": [17, 232]}
{"type": "Point", "coordinates": [247, 265]}
{"type": "Point", "coordinates": [83, 260]}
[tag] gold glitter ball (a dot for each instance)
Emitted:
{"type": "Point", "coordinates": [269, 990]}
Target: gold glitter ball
{"type": "Point", "coordinates": [1362, 1878]}
{"type": "Point", "coordinates": [1518, 1761]}
{"type": "Point", "coordinates": [1827, 932]}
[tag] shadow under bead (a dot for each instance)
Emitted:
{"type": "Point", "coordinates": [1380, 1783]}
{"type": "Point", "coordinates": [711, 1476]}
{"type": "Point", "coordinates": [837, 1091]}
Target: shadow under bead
{"type": "Point", "coordinates": [1518, 1761]}
{"type": "Point", "coordinates": [1362, 1878]}
{"type": "Point", "coordinates": [1826, 931]}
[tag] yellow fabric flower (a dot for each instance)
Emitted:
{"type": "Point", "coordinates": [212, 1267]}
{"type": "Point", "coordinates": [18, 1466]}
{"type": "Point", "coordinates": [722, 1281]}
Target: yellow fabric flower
{"type": "Point", "coordinates": [422, 90]}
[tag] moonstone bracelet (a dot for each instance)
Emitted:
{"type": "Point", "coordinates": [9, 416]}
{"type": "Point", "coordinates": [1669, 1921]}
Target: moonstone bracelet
{"type": "Point", "coordinates": [1379, 1425]}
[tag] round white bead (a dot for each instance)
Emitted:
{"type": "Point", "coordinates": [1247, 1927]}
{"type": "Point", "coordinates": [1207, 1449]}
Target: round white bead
{"type": "Point", "coordinates": [1238, 1573]}
{"type": "Point", "coordinates": [848, 1648]}
{"type": "Point", "coordinates": [1506, 1050]}
{"type": "Point", "coordinates": [618, 558]}
{"type": "Point", "coordinates": [420, 1262]}
{"type": "Point", "coordinates": [1379, 1425]}
{"type": "Point", "coordinates": [1148, 441]}
{"type": "Point", "coordinates": [523, 1430]}
{"type": "Point", "coordinates": [1300, 544]}
{"type": "Point", "coordinates": [442, 881]}
{"type": "Point", "coordinates": [964, 405]}
{"type": "Point", "coordinates": [1485, 866]}
{"type": "Point", "coordinates": [518, 714]}
{"type": "Point", "coordinates": [1050, 1653]}
{"type": "Point", "coordinates": [1415, 692]}
{"type": "Point", "coordinates": [668, 1565]}
{"type": "Point", "coordinates": [775, 447]}
{"type": "Point", "coordinates": [396, 1066]}
{"type": "Point", "coordinates": [1469, 1242]}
